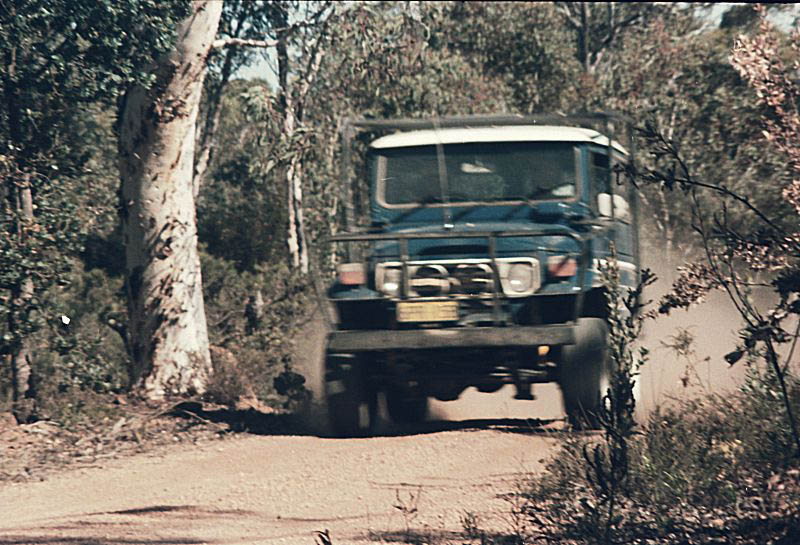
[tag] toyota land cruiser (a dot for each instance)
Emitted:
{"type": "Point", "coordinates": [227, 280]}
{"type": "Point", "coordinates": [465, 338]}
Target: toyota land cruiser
{"type": "Point", "coordinates": [481, 265]}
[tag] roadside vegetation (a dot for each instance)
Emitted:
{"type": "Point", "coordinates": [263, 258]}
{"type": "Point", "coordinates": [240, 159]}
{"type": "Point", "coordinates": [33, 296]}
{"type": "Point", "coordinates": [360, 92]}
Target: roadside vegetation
{"type": "Point", "coordinates": [718, 169]}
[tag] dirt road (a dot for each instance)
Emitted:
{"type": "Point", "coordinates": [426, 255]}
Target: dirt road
{"type": "Point", "coordinates": [281, 489]}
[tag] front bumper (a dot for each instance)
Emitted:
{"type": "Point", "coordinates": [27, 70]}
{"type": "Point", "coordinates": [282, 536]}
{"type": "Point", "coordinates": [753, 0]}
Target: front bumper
{"type": "Point", "coordinates": [456, 337]}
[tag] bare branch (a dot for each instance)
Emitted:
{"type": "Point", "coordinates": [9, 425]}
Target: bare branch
{"type": "Point", "coordinates": [711, 259]}
{"type": "Point", "coordinates": [312, 68]}
{"type": "Point", "coordinates": [564, 9]}
{"type": "Point", "coordinates": [243, 42]}
{"type": "Point", "coordinates": [616, 27]}
{"type": "Point", "coordinates": [667, 148]}
{"type": "Point", "coordinates": [282, 32]}
{"type": "Point", "coordinates": [791, 350]}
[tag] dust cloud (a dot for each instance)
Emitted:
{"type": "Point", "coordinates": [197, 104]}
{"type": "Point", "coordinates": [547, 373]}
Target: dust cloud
{"type": "Point", "coordinates": [712, 325]}
{"type": "Point", "coordinates": [664, 378]}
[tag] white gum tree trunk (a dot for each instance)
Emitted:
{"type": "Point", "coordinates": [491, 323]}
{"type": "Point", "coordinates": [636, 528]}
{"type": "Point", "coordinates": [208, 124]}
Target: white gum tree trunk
{"type": "Point", "coordinates": [295, 239]}
{"type": "Point", "coordinates": [167, 322]}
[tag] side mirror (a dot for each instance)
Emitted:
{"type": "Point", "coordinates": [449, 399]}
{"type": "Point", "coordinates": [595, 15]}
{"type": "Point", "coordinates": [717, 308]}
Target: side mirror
{"type": "Point", "coordinates": [621, 208]}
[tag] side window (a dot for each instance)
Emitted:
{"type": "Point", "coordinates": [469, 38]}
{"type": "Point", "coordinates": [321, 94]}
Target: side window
{"type": "Point", "coordinates": [606, 202]}
{"type": "Point", "coordinates": [598, 174]}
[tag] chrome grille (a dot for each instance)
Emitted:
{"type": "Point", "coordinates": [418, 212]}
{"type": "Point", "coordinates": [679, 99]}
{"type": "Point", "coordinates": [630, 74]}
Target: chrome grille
{"type": "Point", "coordinates": [429, 280]}
{"type": "Point", "coordinates": [473, 279]}
{"type": "Point", "coordinates": [466, 278]}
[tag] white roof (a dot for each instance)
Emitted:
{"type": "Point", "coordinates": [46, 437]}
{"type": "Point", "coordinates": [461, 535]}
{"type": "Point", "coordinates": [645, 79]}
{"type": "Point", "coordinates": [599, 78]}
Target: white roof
{"type": "Point", "coordinates": [508, 133]}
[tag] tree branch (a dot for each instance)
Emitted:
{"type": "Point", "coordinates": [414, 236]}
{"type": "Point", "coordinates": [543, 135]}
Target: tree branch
{"type": "Point", "coordinates": [243, 42]}
{"type": "Point", "coordinates": [701, 229]}
{"type": "Point", "coordinates": [619, 26]}
{"type": "Point", "coordinates": [282, 32]}
{"type": "Point", "coordinates": [564, 9]}
{"type": "Point", "coordinates": [668, 148]}
{"type": "Point", "coordinates": [727, 192]}
{"type": "Point", "coordinates": [318, 51]}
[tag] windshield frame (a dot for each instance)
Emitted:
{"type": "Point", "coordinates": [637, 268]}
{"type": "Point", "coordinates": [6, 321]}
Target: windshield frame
{"type": "Point", "coordinates": [377, 172]}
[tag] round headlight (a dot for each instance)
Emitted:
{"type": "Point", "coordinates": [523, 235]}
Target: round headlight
{"type": "Point", "coordinates": [392, 278]}
{"type": "Point", "coordinates": [520, 277]}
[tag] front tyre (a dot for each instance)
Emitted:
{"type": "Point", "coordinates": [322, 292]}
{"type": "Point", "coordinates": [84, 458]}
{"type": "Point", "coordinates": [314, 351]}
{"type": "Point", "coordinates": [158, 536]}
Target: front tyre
{"type": "Point", "coordinates": [352, 400]}
{"type": "Point", "coordinates": [406, 404]}
{"type": "Point", "coordinates": [584, 375]}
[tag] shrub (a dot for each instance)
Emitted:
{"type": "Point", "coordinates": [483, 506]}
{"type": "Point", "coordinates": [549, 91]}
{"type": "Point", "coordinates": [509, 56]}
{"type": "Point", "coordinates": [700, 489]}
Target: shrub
{"type": "Point", "coordinates": [715, 469]}
{"type": "Point", "coordinates": [253, 317]}
{"type": "Point", "coordinates": [75, 353]}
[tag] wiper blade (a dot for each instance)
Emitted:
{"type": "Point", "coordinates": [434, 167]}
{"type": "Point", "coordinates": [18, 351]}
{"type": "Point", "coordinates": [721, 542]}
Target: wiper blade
{"type": "Point", "coordinates": [429, 199]}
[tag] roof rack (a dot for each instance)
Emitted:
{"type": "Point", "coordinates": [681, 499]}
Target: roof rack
{"type": "Point", "coordinates": [582, 118]}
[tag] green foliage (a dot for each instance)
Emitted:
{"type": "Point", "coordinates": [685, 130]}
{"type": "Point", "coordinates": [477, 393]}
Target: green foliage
{"type": "Point", "coordinates": [71, 60]}
{"type": "Point", "coordinates": [221, 211]}
{"type": "Point", "coordinates": [688, 467]}
{"type": "Point", "coordinates": [60, 55]}
{"type": "Point", "coordinates": [541, 69]}
{"type": "Point", "coordinates": [79, 358]}
{"type": "Point", "coordinates": [391, 64]}
{"type": "Point", "coordinates": [61, 60]}
{"type": "Point", "coordinates": [692, 462]}
{"type": "Point", "coordinates": [241, 212]}
{"type": "Point", "coordinates": [608, 463]}
{"type": "Point", "coordinates": [681, 80]}
{"type": "Point", "coordinates": [85, 352]}
{"type": "Point", "coordinates": [770, 445]}
{"type": "Point", "coordinates": [245, 20]}
{"type": "Point", "coordinates": [744, 239]}
{"type": "Point", "coordinates": [255, 315]}
{"type": "Point", "coordinates": [684, 457]}
{"type": "Point", "coordinates": [29, 256]}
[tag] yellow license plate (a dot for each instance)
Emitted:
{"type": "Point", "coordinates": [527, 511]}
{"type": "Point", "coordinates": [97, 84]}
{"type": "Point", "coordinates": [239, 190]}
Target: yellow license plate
{"type": "Point", "coordinates": [427, 311]}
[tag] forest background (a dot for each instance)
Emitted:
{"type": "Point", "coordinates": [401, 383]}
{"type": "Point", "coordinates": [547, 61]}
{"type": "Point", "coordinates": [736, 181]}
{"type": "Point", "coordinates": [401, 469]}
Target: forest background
{"type": "Point", "coordinates": [266, 170]}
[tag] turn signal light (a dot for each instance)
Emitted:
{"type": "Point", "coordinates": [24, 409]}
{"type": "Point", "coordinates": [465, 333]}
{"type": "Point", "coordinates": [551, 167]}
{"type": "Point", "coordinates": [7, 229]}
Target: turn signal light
{"type": "Point", "coordinates": [352, 274]}
{"type": "Point", "coordinates": [560, 266]}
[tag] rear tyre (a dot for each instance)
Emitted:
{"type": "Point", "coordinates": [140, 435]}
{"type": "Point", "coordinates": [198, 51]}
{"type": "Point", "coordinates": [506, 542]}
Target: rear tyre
{"type": "Point", "coordinates": [406, 405]}
{"type": "Point", "coordinates": [352, 400]}
{"type": "Point", "coordinates": [584, 375]}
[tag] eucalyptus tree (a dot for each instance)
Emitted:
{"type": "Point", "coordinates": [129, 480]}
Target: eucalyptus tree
{"type": "Point", "coordinates": [242, 25]}
{"type": "Point", "coordinates": [59, 57]}
{"type": "Point", "coordinates": [160, 180]}
{"type": "Point", "coordinates": [677, 76]}
{"type": "Point", "coordinates": [524, 44]}
{"type": "Point", "coordinates": [168, 337]}
{"type": "Point", "coordinates": [739, 256]}
{"type": "Point", "coordinates": [300, 31]}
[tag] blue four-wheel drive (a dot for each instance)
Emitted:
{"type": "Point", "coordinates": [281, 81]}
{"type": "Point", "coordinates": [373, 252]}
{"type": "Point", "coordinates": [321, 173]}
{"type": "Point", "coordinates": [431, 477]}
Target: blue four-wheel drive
{"type": "Point", "coordinates": [481, 264]}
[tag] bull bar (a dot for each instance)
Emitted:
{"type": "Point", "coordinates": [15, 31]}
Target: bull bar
{"type": "Point", "coordinates": [464, 337]}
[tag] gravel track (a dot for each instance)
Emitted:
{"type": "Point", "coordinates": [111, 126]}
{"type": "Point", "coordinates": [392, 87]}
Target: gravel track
{"type": "Point", "coordinates": [281, 489]}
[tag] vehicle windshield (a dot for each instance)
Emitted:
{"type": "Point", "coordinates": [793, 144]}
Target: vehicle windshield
{"type": "Point", "coordinates": [477, 173]}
